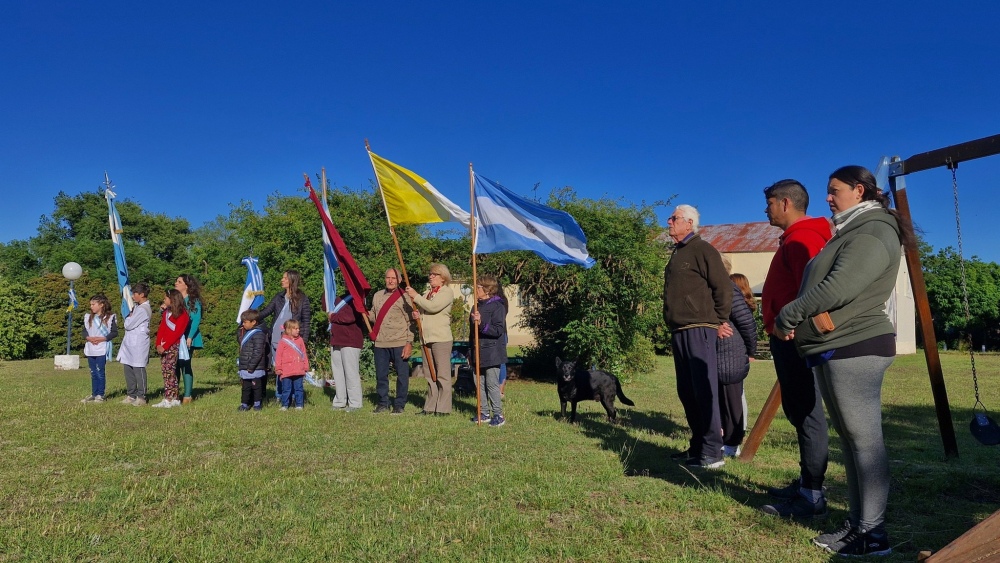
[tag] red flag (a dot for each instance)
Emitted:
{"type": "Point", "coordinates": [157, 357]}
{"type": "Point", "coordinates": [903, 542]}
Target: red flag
{"type": "Point", "coordinates": [355, 281]}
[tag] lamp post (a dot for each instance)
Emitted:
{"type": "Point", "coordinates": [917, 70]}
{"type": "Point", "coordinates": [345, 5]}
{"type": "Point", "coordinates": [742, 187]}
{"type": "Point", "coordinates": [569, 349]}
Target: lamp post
{"type": "Point", "coordinates": [71, 271]}
{"type": "Point", "coordinates": [466, 292]}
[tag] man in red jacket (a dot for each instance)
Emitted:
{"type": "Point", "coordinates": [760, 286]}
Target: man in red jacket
{"type": "Point", "coordinates": [802, 239]}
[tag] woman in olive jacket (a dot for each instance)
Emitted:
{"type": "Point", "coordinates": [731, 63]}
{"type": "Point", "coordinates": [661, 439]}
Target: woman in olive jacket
{"type": "Point", "coordinates": [840, 327]}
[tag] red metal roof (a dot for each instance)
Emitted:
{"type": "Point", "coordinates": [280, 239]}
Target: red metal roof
{"type": "Point", "coordinates": [740, 237]}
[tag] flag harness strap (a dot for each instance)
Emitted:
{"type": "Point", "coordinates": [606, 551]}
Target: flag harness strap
{"type": "Point", "coordinates": [982, 426]}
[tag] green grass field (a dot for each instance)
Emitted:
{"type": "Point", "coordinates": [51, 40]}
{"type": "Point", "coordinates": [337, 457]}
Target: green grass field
{"type": "Point", "coordinates": [203, 482]}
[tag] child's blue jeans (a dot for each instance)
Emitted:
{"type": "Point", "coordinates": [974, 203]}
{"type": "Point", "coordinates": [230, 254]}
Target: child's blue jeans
{"type": "Point", "coordinates": [291, 387]}
{"type": "Point", "coordinates": [97, 375]}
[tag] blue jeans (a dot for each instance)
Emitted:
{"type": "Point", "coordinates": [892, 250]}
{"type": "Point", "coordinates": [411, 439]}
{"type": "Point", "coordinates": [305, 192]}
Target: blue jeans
{"type": "Point", "coordinates": [291, 388]}
{"type": "Point", "coordinates": [383, 357]}
{"type": "Point", "coordinates": [97, 378]}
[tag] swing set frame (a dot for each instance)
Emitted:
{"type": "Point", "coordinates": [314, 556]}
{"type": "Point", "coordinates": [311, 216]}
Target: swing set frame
{"type": "Point", "coordinates": [948, 157]}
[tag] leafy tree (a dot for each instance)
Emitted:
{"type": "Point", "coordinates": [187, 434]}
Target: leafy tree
{"type": "Point", "coordinates": [603, 315]}
{"type": "Point", "coordinates": [19, 330]}
{"type": "Point", "coordinates": [943, 277]}
{"type": "Point", "coordinates": [155, 245]}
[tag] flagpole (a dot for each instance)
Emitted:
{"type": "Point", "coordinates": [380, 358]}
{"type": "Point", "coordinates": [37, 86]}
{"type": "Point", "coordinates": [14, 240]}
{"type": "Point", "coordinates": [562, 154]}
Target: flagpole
{"type": "Point", "coordinates": [475, 299]}
{"type": "Point", "coordinates": [329, 306]}
{"type": "Point", "coordinates": [406, 278]}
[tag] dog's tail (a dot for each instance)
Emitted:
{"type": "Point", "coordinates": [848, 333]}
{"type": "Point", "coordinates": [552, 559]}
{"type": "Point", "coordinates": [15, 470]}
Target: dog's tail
{"type": "Point", "coordinates": [621, 394]}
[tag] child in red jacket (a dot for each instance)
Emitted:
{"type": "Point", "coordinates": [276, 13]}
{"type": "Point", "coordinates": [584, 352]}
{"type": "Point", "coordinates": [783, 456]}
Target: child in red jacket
{"type": "Point", "coordinates": [291, 362]}
{"type": "Point", "coordinates": [168, 344]}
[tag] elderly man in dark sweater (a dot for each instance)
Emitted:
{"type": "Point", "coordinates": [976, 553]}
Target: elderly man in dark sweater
{"type": "Point", "coordinates": [697, 299]}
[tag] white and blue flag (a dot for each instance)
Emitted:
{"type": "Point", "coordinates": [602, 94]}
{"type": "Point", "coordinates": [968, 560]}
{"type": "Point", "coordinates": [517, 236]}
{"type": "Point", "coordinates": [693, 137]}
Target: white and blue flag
{"type": "Point", "coordinates": [330, 265]}
{"type": "Point", "coordinates": [507, 221]}
{"type": "Point", "coordinates": [115, 222]}
{"type": "Point", "coordinates": [253, 291]}
{"type": "Point", "coordinates": [73, 303]}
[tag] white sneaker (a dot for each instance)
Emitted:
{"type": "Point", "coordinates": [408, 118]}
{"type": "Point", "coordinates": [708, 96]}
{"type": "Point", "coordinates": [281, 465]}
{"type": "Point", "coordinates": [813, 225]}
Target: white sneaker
{"type": "Point", "coordinates": [283, 408]}
{"type": "Point", "coordinates": [138, 402]}
{"type": "Point", "coordinates": [175, 403]}
{"type": "Point", "coordinates": [164, 404]}
{"type": "Point", "coordinates": [128, 401]}
{"type": "Point", "coordinates": [98, 398]}
{"type": "Point", "coordinates": [87, 399]}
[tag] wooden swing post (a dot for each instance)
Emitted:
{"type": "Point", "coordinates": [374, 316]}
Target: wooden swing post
{"type": "Point", "coordinates": [947, 157]}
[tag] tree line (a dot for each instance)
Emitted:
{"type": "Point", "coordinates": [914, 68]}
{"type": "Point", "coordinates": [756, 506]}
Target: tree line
{"type": "Point", "coordinates": [608, 315]}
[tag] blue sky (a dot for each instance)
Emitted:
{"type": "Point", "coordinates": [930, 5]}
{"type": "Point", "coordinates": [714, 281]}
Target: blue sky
{"type": "Point", "coordinates": [191, 106]}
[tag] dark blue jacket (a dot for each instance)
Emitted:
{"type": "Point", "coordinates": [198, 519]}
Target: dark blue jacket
{"type": "Point", "coordinates": [734, 352]}
{"type": "Point", "coordinates": [492, 333]}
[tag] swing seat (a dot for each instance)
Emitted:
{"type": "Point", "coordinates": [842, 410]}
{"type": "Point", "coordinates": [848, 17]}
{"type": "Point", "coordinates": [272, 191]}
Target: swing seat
{"type": "Point", "coordinates": [985, 429]}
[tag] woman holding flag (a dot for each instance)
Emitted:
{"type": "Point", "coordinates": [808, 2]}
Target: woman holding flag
{"type": "Point", "coordinates": [191, 291]}
{"type": "Point", "coordinates": [434, 312]}
{"type": "Point", "coordinates": [290, 303]}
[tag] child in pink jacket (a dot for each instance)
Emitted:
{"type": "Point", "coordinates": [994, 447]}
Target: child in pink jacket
{"type": "Point", "coordinates": [291, 362]}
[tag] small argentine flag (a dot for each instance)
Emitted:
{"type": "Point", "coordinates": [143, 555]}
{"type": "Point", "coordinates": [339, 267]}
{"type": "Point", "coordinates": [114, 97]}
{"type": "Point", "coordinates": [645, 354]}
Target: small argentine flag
{"type": "Point", "coordinates": [73, 303]}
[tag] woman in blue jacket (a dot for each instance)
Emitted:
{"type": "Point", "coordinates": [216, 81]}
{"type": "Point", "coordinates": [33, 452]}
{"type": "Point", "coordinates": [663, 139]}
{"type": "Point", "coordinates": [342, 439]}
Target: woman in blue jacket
{"type": "Point", "coordinates": [489, 321]}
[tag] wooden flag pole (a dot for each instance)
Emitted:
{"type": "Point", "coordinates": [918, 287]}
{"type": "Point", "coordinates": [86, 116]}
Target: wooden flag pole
{"type": "Point", "coordinates": [406, 278]}
{"type": "Point", "coordinates": [475, 299]}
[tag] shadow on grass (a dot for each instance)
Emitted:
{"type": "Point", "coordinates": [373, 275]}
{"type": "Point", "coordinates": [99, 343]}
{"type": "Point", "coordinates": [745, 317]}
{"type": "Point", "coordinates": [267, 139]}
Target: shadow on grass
{"type": "Point", "coordinates": [643, 458]}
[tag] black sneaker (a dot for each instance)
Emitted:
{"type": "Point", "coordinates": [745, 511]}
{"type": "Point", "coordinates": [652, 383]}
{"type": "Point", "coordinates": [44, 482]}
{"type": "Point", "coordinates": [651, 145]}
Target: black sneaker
{"type": "Point", "coordinates": [681, 456]}
{"type": "Point", "coordinates": [859, 544]}
{"type": "Point", "coordinates": [382, 408]}
{"type": "Point", "coordinates": [830, 538]}
{"type": "Point", "coordinates": [799, 508]}
{"type": "Point", "coordinates": [787, 492]}
{"type": "Point", "coordinates": [397, 410]}
{"type": "Point", "coordinates": [705, 462]}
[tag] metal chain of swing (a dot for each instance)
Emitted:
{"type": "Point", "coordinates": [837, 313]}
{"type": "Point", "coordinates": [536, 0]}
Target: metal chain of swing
{"type": "Point", "coordinates": [965, 289]}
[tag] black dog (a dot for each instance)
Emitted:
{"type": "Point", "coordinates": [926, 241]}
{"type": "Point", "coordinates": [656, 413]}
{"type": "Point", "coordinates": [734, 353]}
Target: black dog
{"type": "Point", "coordinates": [580, 385]}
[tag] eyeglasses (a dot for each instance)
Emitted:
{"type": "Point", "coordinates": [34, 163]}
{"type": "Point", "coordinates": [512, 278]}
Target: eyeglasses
{"type": "Point", "coordinates": [433, 274]}
{"type": "Point", "coordinates": [675, 218]}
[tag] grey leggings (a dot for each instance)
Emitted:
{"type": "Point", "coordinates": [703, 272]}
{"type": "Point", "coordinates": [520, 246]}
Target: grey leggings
{"type": "Point", "coordinates": [852, 391]}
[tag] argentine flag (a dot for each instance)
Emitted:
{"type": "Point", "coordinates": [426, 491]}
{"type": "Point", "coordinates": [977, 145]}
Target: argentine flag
{"type": "Point", "coordinates": [115, 224]}
{"type": "Point", "coordinates": [253, 290]}
{"type": "Point", "coordinates": [507, 221]}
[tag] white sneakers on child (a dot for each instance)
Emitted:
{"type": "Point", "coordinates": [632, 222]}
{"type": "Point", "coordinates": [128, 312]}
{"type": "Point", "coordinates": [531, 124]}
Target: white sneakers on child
{"type": "Point", "coordinates": [93, 399]}
{"type": "Point", "coordinates": [167, 404]}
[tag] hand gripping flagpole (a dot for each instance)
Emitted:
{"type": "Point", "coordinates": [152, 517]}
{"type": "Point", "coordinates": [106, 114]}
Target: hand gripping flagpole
{"type": "Point", "coordinates": [406, 278]}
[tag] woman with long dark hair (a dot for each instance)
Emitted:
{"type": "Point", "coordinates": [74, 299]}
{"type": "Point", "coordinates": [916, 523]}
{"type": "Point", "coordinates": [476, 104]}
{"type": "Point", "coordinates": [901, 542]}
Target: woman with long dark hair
{"type": "Point", "coordinates": [191, 291]}
{"type": "Point", "coordinates": [289, 303]}
{"type": "Point", "coordinates": [841, 328]}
